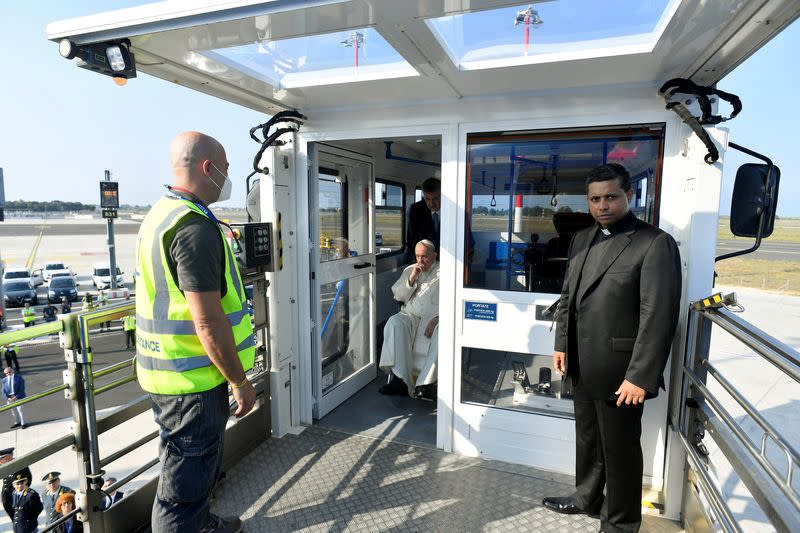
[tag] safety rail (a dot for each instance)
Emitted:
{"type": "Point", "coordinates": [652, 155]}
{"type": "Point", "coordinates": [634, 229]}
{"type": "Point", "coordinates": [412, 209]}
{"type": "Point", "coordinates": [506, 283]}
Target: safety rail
{"type": "Point", "coordinates": [79, 388]}
{"type": "Point", "coordinates": [771, 486]}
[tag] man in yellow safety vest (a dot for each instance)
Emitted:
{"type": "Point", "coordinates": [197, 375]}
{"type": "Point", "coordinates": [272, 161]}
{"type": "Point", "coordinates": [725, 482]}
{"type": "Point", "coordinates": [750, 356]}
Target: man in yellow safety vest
{"type": "Point", "coordinates": [193, 334]}
{"type": "Point", "coordinates": [129, 325]}
{"type": "Point", "coordinates": [28, 315]}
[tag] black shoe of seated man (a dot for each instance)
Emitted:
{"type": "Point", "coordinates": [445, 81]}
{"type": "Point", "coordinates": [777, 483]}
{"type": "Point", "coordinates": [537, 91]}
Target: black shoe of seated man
{"type": "Point", "coordinates": [563, 505]}
{"type": "Point", "coordinates": [395, 387]}
{"type": "Point", "coordinates": [425, 392]}
{"type": "Point", "coordinates": [217, 524]}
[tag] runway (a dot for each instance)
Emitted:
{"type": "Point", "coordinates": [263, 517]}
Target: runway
{"type": "Point", "coordinates": [14, 229]}
{"type": "Point", "coordinates": [770, 251]}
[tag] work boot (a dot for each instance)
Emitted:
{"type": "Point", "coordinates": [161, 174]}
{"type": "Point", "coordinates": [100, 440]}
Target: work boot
{"type": "Point", "coordinates": [395, 387]}
{"type": "Point", "coordinates": [217, 524]}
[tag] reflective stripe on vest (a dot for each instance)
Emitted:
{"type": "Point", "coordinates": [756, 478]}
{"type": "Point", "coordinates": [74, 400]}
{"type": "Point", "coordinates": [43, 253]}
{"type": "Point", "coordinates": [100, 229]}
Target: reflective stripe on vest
{"type": "Point", "coordinates": [170, 358]}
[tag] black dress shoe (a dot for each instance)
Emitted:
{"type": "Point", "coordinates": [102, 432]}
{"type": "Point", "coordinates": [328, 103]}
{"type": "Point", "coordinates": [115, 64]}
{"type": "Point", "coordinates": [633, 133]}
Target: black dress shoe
{"type": "Point", "coordinates": [425, 392]}
{"type": "Point", "coordinates": [15, 425]}
{"type": "Point", "coordinates": [395, 387]}
{"type": "Point", "coordinates": [562, 504]}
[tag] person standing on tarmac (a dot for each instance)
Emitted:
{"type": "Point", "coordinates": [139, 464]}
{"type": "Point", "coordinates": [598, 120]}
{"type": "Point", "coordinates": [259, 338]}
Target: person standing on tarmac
{"type": "Point", "coordinates": [28, 315]}
{"type": "Point", "coordinates": [87, 301]}
{"type": "Point", "coordinates": [129, 325]}
{"type": "Point", "coordinates": [53, 489]}
{"type": "Point", "coordinates": [193, 335]}
{"type": "Point", "coordinates": [10, 352]}
{"type": "Point", "coordinates": [102, 301]}
{"type": "Point", "coordinates": [6, 456]}
{"type": "Point", "coordinates": [26, 504]}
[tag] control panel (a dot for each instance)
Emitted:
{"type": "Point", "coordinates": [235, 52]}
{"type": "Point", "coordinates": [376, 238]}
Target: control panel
{"type": "Point", "coordinates": [252, 244]}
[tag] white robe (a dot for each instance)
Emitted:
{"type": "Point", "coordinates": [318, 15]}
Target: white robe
{"type": "Point", "coordinates": [407, 352]}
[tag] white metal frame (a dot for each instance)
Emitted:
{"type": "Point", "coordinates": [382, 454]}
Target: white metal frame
{"type": "Point", "coordinates": [337, 270]}
{"type": "Point", "coordinates": [305, 406]}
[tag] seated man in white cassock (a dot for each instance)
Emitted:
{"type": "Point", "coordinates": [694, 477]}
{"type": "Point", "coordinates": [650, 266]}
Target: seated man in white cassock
{"type": "Point", "coordinates": [410, 337]}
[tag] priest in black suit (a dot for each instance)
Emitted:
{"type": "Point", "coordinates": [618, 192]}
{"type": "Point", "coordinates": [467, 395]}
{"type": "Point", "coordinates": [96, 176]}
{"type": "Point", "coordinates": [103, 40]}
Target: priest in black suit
{"type": "Point", "coordinates": [423, 217]}
{"type": "Point", "coordinates": [616, 320]}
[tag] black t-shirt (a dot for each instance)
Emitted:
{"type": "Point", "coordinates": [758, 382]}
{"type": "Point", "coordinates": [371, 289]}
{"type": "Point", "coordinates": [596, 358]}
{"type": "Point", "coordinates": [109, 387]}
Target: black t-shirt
{"type": "Point", "coordinates": [195, 257]}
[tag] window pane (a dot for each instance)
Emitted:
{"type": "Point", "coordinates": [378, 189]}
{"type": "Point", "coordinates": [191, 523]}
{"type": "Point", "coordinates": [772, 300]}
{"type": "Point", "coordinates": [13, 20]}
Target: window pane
{"type": "Point", "coordinates": [344, 347]}
{"type": "Point", "coordinates": [332, 223]}
{"type": "Point", "coordinates": [518, 381]}
{"type": "Point", "coordinates": [527, 198]}
{"type": "Point", "coordinates": [389, 201]}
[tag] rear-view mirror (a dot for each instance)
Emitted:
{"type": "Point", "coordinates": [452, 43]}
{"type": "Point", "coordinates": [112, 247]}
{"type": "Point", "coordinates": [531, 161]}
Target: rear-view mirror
{"type": "Point", "coordinates": [755, 194]}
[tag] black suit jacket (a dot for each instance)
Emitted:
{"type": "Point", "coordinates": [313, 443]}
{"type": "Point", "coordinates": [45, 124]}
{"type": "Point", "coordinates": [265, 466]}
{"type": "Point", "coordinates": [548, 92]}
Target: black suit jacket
{"type": "Point", "coordinates": [8, 490]}
{"type": "Point", "coordinates": [621, 323]}
{"type": "Point", "coordinates": [420, 226]}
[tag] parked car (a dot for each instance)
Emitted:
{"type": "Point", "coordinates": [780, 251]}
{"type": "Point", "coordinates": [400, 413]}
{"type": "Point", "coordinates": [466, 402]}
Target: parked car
{"type": "Point", "coordinates": [102, 278]}
{"type": "Point", "coordinates": [378, 239]}
{"type": "Point", "coordinates": [18, 292]}
{"type": "Point", "coordinates": [53, 269]}
{"type": "Point", "coordinates": [35, 277]}
{"type": "Point", "coordinates": [62, 287]}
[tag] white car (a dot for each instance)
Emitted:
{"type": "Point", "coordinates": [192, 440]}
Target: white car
{"type": "Point", "coordinates": [23, 274]}
{"type": "Point", "coordinates": [102, 278]}
{"type": "Point", "coordinates": [55, 269]}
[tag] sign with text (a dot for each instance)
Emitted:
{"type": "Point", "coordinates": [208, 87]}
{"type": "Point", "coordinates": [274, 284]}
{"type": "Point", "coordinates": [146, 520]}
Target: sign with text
{"type": "Point", "coordinates": [109, 213]}
{"type": "Point", "coordinates": [480, 311]}
{"type": "Point", "coordinates": [109, 194]}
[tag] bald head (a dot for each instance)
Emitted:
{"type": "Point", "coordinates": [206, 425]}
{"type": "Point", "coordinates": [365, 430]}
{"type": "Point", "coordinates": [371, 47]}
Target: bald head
{"type": "Point", "coordinates": [194, 156]}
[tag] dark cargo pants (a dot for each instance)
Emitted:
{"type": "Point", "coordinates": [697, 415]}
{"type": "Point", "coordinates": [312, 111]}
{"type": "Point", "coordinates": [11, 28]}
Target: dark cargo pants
{"type": "Point", "coordinates": [192, 431]}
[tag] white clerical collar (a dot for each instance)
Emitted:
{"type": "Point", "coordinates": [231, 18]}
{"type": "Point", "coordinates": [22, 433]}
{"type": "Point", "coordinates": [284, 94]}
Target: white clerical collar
{"type": "Point", "coordinates": [605, 232]}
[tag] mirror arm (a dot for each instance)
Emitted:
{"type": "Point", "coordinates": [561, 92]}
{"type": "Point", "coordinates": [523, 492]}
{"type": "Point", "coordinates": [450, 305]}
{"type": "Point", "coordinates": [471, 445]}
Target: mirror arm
{"type": "Point", "coordinates": [767, 196]}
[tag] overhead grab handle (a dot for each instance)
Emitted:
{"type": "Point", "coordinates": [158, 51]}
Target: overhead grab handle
{"type": "Point", "coordinates": [683, 86]}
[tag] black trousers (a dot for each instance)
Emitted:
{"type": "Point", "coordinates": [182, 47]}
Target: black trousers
{"type": "Point", "coordinates": [608, 455]}
{"type": "Point", "coordinates": [11, 359]}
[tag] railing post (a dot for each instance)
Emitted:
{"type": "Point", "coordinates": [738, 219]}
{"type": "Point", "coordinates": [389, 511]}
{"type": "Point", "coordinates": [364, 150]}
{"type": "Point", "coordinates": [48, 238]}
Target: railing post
{"type": "Point", "coordinates": [78, 375]}
{"type": "Point", "coordinates": [698, 346]}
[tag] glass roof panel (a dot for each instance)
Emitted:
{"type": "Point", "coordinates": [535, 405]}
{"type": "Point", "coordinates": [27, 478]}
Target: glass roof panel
{"type": "Point", "coordinates": [558, 30]}
{"type": "Point", "coordinates": [331, 58]}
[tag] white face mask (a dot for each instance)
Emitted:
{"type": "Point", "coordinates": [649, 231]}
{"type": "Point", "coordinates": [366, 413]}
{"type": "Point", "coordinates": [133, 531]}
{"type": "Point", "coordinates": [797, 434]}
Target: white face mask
{"type": "Point", "coordinates": [225, 190]}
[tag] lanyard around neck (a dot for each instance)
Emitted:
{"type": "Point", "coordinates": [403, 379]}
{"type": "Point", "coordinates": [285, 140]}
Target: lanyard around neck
{"type": "Point", "coordinates": [182, 194]}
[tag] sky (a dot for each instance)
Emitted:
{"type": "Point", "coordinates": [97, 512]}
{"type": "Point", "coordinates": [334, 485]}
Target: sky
{"type": "Point", "coordinates": [61, 126]}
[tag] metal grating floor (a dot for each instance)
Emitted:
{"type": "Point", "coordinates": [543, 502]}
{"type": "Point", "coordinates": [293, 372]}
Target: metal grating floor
{"type": "Point", "coordinates": [324, 480]}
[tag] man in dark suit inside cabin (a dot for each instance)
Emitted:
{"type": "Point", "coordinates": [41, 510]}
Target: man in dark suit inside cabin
{"type": "Point", "coordinates": [423, 217]}
{"type": "Point", "coordinates": [616, 319]}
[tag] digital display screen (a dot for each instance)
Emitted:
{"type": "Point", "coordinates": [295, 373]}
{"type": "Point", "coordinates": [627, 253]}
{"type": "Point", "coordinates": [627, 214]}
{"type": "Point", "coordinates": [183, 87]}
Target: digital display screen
{"type": "Point", "coordinates": [109, 194]}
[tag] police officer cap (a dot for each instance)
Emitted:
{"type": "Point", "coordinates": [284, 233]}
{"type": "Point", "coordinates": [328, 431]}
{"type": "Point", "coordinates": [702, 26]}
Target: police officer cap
{"type": "Point", "coordinates": [6, 451]}
{"type": "Point", "coordinates": [19, 476]}
{"type": "Point", "coordinates": [51, 476]}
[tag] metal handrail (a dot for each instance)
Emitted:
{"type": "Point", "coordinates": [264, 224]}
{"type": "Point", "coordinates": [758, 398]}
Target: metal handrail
{"type": "Point", "coordinates": [718, 502]}
{"type": "Point", "coordinates": [136, 473]}
{"type": "Point", "coordinates": [9, 468]}
{"type": "Point", "coordinates": [33, 397]}
{"type": "Point", "coordinates": [33, 332]}
{"type": "Point", "coordinates": [731, 424]}
{"type": "Point", "coordinates": [114, 384]}
{"type": "Point", "coordinates": [769, 430]}
{"type": "Point", "coordinates": [113, 368]}
{"type": "Point", "coordinates": [773, 350]}
{"type": "Point", "coordinates": [53, 525]}
{"type": "Point", "coordinates": [128, 449]}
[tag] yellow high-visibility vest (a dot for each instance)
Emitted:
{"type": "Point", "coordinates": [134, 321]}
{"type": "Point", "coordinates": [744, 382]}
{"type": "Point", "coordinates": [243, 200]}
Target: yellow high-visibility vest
{"type": "Point", "coordinates": [28, 314]}
{"type": "Point", "coordinates": [129, 323]}
{"type": "Point", "coordinates": [169, 356]}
